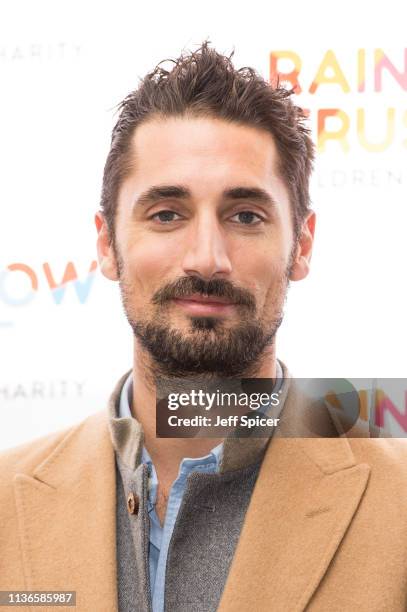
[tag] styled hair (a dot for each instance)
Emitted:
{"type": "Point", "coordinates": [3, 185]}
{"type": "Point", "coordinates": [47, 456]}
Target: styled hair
{"type": "Point", "coordinates": [205, 83]}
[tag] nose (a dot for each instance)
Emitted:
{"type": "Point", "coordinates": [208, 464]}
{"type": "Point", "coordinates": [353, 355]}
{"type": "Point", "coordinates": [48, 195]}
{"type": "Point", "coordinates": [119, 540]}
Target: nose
{"type": "Point", "coordinates": [206, 254]}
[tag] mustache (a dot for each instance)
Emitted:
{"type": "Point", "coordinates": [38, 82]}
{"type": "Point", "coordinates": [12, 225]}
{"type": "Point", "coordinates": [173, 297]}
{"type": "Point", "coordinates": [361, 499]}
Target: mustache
{"type": "Point", "coordinates": [186, 285]}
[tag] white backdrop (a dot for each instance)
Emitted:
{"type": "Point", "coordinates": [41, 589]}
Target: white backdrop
{"type": "Point", "coordinates": [65, 64]}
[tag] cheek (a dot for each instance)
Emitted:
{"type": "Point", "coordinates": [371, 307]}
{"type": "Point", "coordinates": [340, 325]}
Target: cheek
{"type": "Point", "coordinates": [264, 276]}
{"type": "Point", "coordinates": [260, 266]}
{"type": "Point", "coordinates": [149, 263]}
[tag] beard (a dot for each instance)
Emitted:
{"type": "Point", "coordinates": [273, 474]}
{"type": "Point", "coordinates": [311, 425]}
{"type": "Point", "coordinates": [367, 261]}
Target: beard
{"type": "Point", "coordinates": [210, 347]}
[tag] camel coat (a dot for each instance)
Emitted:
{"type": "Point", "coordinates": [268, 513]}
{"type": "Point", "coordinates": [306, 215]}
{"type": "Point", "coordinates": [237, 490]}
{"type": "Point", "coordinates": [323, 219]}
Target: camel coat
{"type": "Point", "coordinates": [325, 530]}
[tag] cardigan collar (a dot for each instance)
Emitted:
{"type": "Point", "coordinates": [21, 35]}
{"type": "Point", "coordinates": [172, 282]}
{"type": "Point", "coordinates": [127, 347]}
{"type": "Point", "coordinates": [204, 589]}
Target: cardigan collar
{"type": "Point", "coordinates": [238, 452]}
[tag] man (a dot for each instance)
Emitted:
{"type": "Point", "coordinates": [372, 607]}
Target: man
{"type": "Point", "coordinates": [205, 219]}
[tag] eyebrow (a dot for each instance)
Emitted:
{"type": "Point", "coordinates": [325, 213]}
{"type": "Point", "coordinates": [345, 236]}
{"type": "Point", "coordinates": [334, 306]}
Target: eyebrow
{"type": "Point", "coordinates": [255, 194]}
{"type": "Point", "coordinates": [162, 192]}
{"type": "Point", "coordinates": [179, 192]}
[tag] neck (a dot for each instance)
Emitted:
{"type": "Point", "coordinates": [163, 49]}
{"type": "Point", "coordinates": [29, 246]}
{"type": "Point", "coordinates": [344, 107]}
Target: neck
{"type": "Point", "coordinates": [167, 453]}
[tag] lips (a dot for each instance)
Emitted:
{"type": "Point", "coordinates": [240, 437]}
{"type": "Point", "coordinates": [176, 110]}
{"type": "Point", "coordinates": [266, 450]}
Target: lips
{"type": "Point", "coordinates": [202, 305]}
{"type": "Point", "coordinates": [205, 299]}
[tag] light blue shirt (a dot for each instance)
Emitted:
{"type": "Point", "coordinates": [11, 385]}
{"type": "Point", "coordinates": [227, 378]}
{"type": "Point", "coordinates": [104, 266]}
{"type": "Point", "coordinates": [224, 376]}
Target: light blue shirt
{"type": "Point", "coordinates": [160, 537]}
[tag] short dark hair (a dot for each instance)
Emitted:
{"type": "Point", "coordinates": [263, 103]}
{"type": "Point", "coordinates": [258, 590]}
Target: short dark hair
{"type": "Point", "coordinates": [205, 83]}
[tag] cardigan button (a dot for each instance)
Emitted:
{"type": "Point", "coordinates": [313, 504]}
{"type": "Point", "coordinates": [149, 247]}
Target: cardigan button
{"type": "Point", "coordinates": [133, 503]}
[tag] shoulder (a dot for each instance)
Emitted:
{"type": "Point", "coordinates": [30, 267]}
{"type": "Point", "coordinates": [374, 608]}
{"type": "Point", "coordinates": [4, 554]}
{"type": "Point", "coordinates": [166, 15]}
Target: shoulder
{"type": "Point", "coordinates": [377, 448]}
{"type": "Point", "coordinates": [382, 453]}
{"type": "Point", "coordinates": [26, 457]}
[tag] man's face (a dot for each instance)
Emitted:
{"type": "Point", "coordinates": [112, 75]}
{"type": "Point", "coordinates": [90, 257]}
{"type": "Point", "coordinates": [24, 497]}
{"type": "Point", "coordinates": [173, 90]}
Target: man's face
{"type": "Point", "coordinates": [204, 245]}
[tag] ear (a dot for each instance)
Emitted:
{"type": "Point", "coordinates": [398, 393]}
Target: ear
{"type": "Point", "coordinates": [105, 251]}
{"type": "Point", "coordinates": [301, 262]}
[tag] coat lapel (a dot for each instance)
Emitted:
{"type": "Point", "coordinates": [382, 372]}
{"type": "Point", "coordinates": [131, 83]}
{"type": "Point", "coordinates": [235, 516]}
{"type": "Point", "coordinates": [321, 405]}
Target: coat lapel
{"type": "Point", "coordinates": [66, 513]}
{"type": "Point", "coordinates": [305, 497]}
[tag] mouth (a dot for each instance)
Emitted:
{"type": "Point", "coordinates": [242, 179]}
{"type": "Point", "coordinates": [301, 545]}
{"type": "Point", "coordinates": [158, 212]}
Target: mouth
{"type": "Point", "coordinates": [203, 305]}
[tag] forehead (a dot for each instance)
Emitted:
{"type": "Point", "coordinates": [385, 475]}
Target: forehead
{"type": "Point", "coordinates": [209, 149]}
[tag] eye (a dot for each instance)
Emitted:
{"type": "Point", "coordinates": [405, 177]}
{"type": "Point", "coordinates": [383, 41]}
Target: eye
{"type": "Point", "coordinates": [247, 217]}
{"type": "Point", "coordinates": [165, 216]}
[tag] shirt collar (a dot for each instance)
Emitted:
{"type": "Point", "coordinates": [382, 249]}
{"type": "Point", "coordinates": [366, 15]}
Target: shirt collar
{"type": "Point", "coordinates": [126, 398]}
{"type": "Point", "coordinates": [214, 456]}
